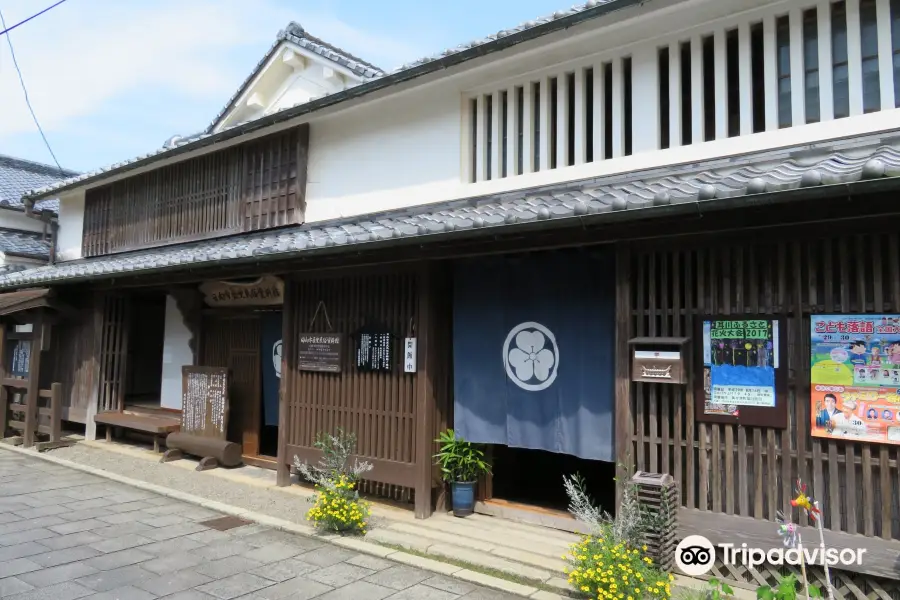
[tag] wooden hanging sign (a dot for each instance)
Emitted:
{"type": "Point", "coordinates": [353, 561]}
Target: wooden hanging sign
{"type": "Point", "coordinates": [268, 290]}
{"type": "Point", "coordinates": [320, 352]}
{"type": "Point", "coordinates": [204, 409]}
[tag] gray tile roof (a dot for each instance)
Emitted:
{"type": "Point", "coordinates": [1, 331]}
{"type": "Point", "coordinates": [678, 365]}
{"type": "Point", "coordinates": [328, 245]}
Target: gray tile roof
{"type": "Point", "coordinates": [24, 243]}
{"type": "Point", "coordinates": [844, 162]}
{"type": "Point", "coordinates": [375, 79]}
{"type": "Point", "coordinates": [18, 176]}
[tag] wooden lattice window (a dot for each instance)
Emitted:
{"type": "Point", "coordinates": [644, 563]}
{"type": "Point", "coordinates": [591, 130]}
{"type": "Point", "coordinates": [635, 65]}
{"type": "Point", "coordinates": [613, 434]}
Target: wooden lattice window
{"type": "Point", "coordinates": [256, 185]}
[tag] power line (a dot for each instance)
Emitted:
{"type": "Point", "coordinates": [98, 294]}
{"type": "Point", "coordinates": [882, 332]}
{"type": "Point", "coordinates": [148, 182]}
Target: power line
{"type": "Point", "coordinates": [8, 29]}
{"type": "Point", "coordinates": [22, 81]}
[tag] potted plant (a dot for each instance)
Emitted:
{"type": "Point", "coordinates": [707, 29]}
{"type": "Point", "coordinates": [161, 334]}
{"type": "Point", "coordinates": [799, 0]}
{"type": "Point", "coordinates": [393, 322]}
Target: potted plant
{"type": "Point", "coordinates": [461, 463]}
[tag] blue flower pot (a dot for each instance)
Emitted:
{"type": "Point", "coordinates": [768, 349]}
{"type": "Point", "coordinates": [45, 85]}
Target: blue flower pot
{"type": "Point", "coordinates": [463, 495]}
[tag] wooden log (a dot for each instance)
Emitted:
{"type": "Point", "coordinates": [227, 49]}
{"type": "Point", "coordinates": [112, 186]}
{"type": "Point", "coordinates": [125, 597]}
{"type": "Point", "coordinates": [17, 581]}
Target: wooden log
{"type": "Point", "coordinates": [227, 454]}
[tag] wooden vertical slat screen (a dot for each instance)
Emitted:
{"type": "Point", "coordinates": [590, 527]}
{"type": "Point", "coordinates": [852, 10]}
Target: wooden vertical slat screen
{"type": "Point", "coordinates": [248, 187]}
{"type": "Point", "coordinates": [750, 471]}
{"type": "Point", "coordinates": [113, 352]}
{"type": "Point", "coordinates": [70, 362]}
{"type": "Point", "coordinates": [380, 408]}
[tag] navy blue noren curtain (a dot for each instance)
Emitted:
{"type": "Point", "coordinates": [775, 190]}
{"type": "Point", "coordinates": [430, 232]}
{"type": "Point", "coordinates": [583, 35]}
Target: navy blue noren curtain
{"type": "Point", "coordinates": [533, 352]}
{"type": "Point", "coordinates": [270, 361]}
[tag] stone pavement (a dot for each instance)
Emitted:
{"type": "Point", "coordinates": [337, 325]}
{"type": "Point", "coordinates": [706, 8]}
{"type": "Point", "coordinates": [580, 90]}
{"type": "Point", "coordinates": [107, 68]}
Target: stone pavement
{"type": "Point", "coordinates": [65, 534]}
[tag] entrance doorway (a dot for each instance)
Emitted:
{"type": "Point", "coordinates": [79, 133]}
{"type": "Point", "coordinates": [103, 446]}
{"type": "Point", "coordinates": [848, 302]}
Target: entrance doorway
{"type": "Point", "coordinates": [235, 341]}
{"type": "Point", "coordinates": [534, 478]}
{"type": "Point", "coordinates": [145, 325]}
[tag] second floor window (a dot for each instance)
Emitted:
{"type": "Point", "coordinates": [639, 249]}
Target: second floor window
{"type": "Point", "coordinates": [868, 21]}
{"type": "Point", "coordinates": [840, 81]}
{"type": "Point", "coordinates": [895, 47]}
{"type": "Point", "coordinates": [811, 65]}
{"type": "Point", "coordinates": [783, 50]}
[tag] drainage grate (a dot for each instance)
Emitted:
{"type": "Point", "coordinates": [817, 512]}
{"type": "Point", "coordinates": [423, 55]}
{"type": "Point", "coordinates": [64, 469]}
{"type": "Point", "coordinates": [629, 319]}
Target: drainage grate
{"type": "Point", "coordinates": [225, 523]}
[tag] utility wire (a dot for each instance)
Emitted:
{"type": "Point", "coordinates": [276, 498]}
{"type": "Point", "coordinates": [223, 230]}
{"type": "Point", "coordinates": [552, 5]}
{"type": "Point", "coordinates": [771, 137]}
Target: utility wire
{"type": "Point", "coordinates": [8, 29]}
{"type": "Point", "coordinates": [22, 81]}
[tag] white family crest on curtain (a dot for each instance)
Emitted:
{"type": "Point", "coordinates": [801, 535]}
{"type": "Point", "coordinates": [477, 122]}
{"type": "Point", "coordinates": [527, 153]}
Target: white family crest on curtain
{"type": "Point", "coordinates": [531, 356]}
{"type": "Point", "coordinates": [276, 358]}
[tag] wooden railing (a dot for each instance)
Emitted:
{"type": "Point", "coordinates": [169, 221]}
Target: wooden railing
{"type": "Point", "coordinates": [45, 422]}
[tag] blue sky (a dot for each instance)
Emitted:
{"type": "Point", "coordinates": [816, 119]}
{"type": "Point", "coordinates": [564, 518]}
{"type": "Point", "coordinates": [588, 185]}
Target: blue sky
{"type": "Point", "coordinates": [112, 79]}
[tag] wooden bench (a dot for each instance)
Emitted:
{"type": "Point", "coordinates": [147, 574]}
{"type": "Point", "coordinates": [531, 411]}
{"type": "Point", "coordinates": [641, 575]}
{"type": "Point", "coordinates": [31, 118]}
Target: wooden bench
{"type": "Point", "coordinates": [158, 427]}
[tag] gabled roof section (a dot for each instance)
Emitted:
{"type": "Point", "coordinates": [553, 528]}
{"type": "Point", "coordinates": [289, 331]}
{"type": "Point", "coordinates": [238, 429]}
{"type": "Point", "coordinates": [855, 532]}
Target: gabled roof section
{"type": "Point", "coordinates": [18, 176]}
{"type": "Point", "coordinates": [530, 30]}
{"type": "Point", "coordinates": [26, 244]}
{"type": "Point", "coordinates": [296, 34]}
{"type": "Point", "coordinates": [761, 177]}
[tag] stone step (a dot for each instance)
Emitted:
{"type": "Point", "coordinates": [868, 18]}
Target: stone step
{"type": "Point", "coordinates": [501, 547]}
{"type": "Point", "coordinates": [502, 532]}
{"type": "Point", "coordinates": [541, 531]}
{"type": "Point", "coordinates": [490, 561]}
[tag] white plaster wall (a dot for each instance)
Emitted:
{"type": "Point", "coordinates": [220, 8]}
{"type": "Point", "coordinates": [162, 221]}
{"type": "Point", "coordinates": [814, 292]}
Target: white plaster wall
{"type": "Point", "coordinates": [16, 219]}
{"type": "Point", "coordinates": [71, 224]}
{"type": "Point", "coordinates": [176, 354]}
{"type": "Point", "coordinates": [388, 154]}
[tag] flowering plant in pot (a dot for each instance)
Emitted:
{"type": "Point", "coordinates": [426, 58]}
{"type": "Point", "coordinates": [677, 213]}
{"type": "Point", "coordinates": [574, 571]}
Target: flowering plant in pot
{"type": "Point", "coordinates": [461, 464]}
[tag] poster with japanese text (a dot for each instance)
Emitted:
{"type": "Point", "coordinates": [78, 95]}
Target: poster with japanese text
{"type": "Point", "coordinates": [855, 377]}
{"type": "Point", "coordinates": [740, 360]}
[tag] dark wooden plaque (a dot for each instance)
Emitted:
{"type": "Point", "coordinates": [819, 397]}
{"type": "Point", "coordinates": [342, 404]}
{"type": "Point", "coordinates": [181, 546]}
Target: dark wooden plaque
{"type": "Point", "coordinates": [204, 409]}
{"type": "Point", "coordinates": [320, 352]}
{"type": "Point", "coordinates": [375, 351]}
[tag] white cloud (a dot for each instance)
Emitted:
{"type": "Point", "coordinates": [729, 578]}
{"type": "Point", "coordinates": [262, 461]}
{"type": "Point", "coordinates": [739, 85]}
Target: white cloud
{"type": "Point", "coordinates": [81, 56]}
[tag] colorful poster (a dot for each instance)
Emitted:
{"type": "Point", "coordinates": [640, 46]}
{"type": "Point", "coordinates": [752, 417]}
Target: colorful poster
{"type": "Point", "coordinates": [739, 362]}
{"type": "Point", "coordinates": [855, 377]}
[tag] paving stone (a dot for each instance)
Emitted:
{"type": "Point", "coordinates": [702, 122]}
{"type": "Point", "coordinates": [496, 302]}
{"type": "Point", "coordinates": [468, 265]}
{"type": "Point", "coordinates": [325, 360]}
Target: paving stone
{"type": "Point", "coordinates": [119, 518]}
{"type": "Point", "coordinates": [488, 594]}
{"type": "Point", "coordinates": [64, 556]}
{"type": "Point", "coordinates": [448, 584]}
{"type": "Point", "coordinates": [371, 562]}
{"type": "Point", "coordinates": [128, 507]}
{"type": "Point", "coordinates": [399, 577]}
{"type": "Point", "coordinates": [42, 511]}
{"type": "Point", "coordinates": [25, 525]}
{"type": "Point", "coordinates": [86, 504]}
{"type": "Point", "coordinates": [54, 575]}
{"type": "Point", "coordinates": [298, 588]}
{"type": "Point", "coordinates": [274, 536]}
{"type": "Point", "coordinates": [83, 515]}
{"type": "Point", "coordinates": [115, 578]}
{"type": "Point", "coordinates": [358, 590]}
{"type": "Point", "coordinates": [284, 570]}
{"type": "Point", "coordinates": [114, 531]}
{"type": "Point", "coordinates": [181, 544]}
{"type": "Point", "coordinates": [218, 569]}
{"type": "Point", "coordinates": [209, 536]}
{"type": "Point", "coordinates": [272, 553]}
{"type": "Point", "coordinates": [125, 593]}
{"type": "Point", "coordinates": [339, 575]}
{"type": "Point", "coordinates": [171, 583]}
{"type": "Point", "coordinates": [163, 520]}
{"type": "Point", "coordinates": [22, 550]}
{"type": "Point", "coordinates": [171, 563]}
{"type": "Point", "coordinates": [423, 592]}
{"type": "Point", "coordinates": [219, 550]}
{"type": "Point", "coordinates": [327, 556]}
{"type": "Point", "coordinates": [13, 585]}
{"type": "Point", "coordinates": [114, 560]}
{"type": "Point", "coordinates": [190, 595]}
{"type": "Point", "coordinates": [172, 531]}
{"type": "Point", "coordinates": [76, 526]}
{"type": "Point", "coordinates": [234, 586]}
{"type": "Point", "coordinates": [82, 538]}
{"type": "Point", "coordinates": [61, 591]}
{"type": "Point", "coordinates": [17, 566]}
{"type": "Point", "coordinates": [29, 535]}
{"type": "Point", "coordinates": [118, 544]}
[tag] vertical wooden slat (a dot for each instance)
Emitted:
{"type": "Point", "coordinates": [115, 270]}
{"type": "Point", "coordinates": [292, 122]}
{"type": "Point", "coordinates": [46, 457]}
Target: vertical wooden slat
{"type": "Point", "coordinates": [677, 395]}
{"type": "Point", "coordinates": [691, 301]}
{"type": "Point", "coordinates": [653, 437]}
{"type": "Point", "coordinates": [722, 110]}
{"type": "Point", "coordinates": [745, 80]}
{"type": "Point", "coordinates": [623, 415]}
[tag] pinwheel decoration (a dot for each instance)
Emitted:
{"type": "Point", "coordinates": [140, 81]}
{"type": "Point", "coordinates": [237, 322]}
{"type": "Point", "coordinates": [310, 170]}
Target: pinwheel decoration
{"type": "Point", "coordinates": [789, 532]}
{"type": "Point", "coordinates": [805, 502]}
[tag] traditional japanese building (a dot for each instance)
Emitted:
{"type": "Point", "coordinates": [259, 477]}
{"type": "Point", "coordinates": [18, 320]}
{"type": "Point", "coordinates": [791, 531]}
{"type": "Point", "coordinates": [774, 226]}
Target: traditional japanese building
{"type": "Point", "coordinates": [655, 234]}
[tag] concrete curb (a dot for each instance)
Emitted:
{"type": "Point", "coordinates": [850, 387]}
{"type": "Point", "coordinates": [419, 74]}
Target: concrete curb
{"type": "Point", "coordinates": [354, 544]}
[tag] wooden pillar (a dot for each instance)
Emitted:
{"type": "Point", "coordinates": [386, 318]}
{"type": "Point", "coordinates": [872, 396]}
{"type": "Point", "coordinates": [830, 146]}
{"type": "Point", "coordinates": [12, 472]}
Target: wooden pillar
{"type": "Point", "coordinates": [93, 400]}
{"type": "Point", "coordinates": [34, 380]}
{"type": "Point", "coordinates": [4, 394]}
{"type": "Point", "coordinates": [425, 405]}
{"type": "Point", "coordinates": [288, 377]}
{"type": "Point", "coordinates": [623, 376]}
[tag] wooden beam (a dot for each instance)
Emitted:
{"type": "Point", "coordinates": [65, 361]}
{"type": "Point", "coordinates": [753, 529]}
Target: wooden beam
{"type": "Point", "coordinates": [425, 404]}
{"type": "Point", "coordinates": [34, 380]}
{"type": "Point", "coordinates": [93, 367]}
{"type": "Point", "coordinates": [288, 376]}
{"type": "Point", "coordinates": [623, 379]}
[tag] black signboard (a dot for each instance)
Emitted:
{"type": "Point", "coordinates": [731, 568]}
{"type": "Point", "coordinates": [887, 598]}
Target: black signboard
{"type": "Point", "coordinates": [21, 356]}
{"type": "Point", "coordinates": [374, 352]}
{"type": "Point", "coordinates": [320, 352]}
{"type": "Point", "coordinates": [204, 409]}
